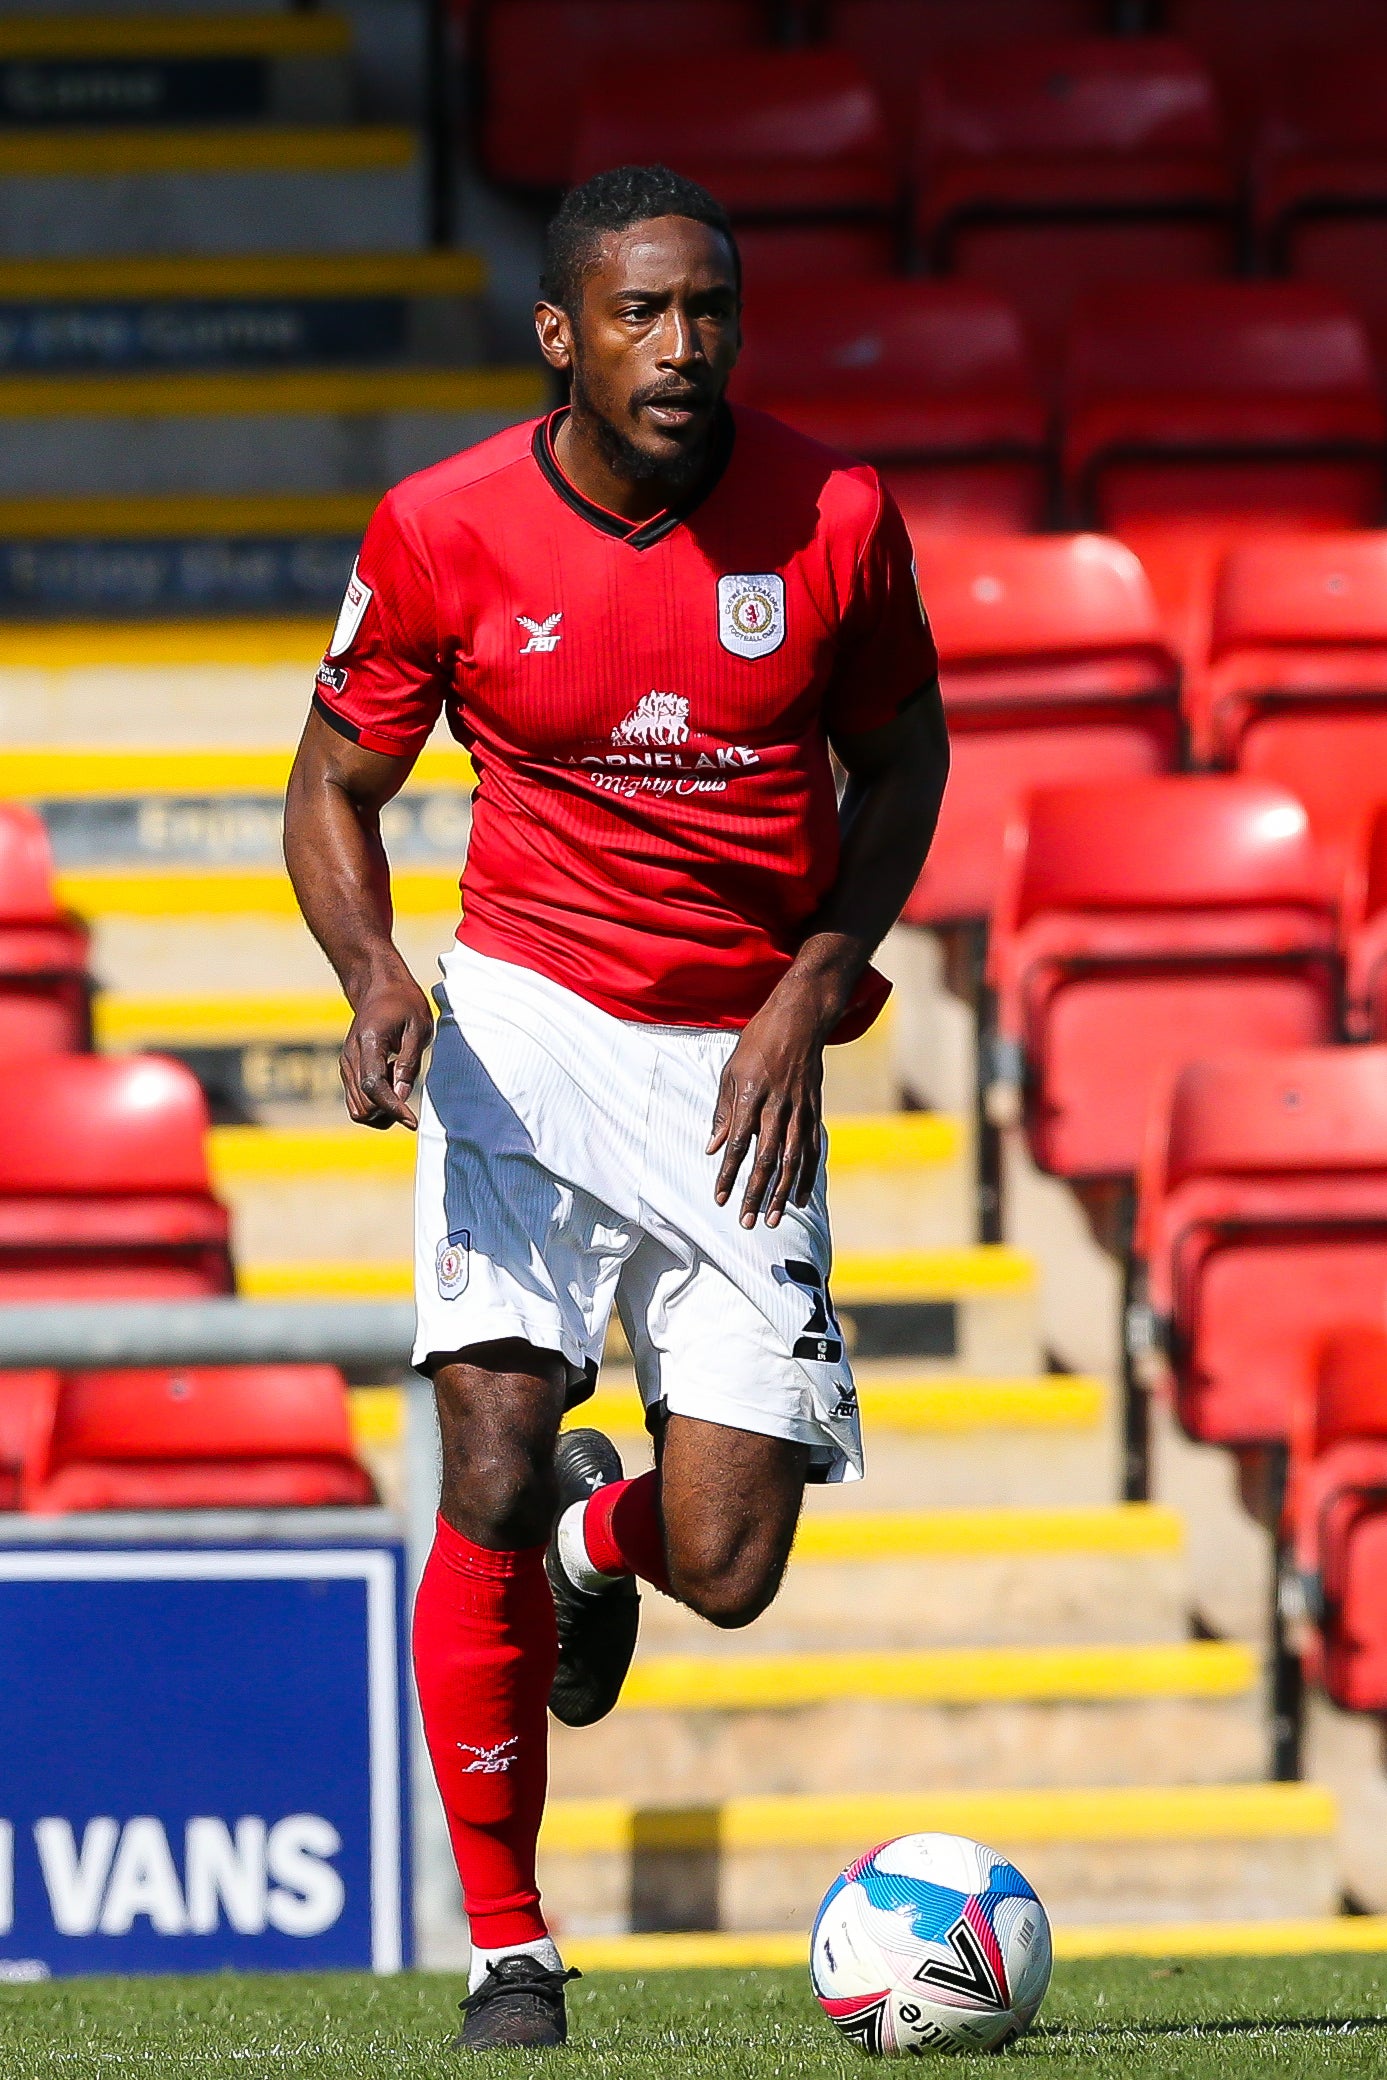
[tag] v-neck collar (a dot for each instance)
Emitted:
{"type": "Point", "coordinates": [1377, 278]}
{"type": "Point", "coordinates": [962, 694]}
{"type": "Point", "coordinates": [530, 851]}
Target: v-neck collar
{"type": "Point", "coordinates": [641, 534]}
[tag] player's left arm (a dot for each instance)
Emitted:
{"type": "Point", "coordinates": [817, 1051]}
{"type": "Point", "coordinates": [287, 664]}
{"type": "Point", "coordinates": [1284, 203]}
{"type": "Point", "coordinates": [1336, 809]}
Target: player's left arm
{"type": "Point", "coordinates": [772, 1087]}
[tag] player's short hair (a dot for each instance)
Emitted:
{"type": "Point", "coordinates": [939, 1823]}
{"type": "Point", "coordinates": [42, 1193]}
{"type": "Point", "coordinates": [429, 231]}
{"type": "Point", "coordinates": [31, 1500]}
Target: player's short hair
{"type": "Point", "coordinates": [613, 201]}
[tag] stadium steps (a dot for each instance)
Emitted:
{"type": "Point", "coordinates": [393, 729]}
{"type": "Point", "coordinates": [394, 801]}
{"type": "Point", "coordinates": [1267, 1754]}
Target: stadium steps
{"type": "Point", "coordinates": [1153, 1853]}
{"type": "Point", "coordinates": [908, 1579]}
{"type": "Point", "coordinates": [707, 1727]}
{"type": "Point", "coordinates": [278, 67]}
{"type": "Point", "coordinates": [954, 1443]}
{"type": "Point", "coordinates": [968, 1309]}
{"type": "Point", "coordinates": [74, 192]}
{"type": "Point", "coordinates": [902, 1177]}
{"type": "Point", "coordinates": [247, 430]}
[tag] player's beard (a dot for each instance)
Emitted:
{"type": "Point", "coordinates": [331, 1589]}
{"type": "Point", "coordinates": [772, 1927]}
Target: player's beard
{"type": "Point", "coordinates": [675, 474]}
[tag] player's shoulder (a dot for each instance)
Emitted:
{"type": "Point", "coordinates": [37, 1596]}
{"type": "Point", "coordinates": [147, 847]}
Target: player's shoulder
{"type": "Point", "coordinates": [782, 460]}
{"type": "Point", "coordinates": [466, 481]}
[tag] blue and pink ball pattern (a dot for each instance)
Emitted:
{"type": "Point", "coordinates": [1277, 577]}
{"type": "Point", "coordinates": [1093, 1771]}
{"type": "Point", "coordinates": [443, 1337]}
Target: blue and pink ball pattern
{"type": "Point", "coordinates": [930, 1942]}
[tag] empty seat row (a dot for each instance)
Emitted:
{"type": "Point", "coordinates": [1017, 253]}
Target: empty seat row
{"type": "Point", "coordinates": [1216, 401]}
{"type": "Point", "coordinates": [201, 1437]}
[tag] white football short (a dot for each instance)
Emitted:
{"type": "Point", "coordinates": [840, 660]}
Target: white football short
{"type": "Point", "coordinates": [562, 1169]}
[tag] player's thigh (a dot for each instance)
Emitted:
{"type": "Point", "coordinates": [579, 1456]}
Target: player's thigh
{"type": "Point", "coordinates": [731, 1501]}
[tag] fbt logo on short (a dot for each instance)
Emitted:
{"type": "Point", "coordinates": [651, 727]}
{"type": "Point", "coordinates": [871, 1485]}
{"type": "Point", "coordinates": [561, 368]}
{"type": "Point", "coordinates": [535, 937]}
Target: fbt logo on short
{"type": "Point", "coordinates": [101, 1876]}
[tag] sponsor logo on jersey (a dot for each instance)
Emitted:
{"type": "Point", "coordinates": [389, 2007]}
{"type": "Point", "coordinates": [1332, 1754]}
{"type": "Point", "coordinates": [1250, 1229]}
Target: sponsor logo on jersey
{"type": "Point", "coordinates": [333, 676]}
{"type": "Point", "coordinates": [544, 635]}
{"type": "Point", "coordinates": [355, 600]}
{"type": "Point", "coordinates": [453, 1263]}
{"type": "Point", "coordinates": [657, 718]}
{"type": "Point", "coordinates": [751, 614]}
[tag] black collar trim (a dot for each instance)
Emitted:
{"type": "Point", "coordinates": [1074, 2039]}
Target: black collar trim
{"type": "Point", "coordinates": [648, 532]}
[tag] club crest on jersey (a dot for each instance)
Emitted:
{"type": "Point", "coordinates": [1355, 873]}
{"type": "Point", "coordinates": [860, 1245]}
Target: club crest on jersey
{"type": "Point", "coordinates": [355, 600]}
{"type": "Point", "coordinates": [751, 613]}
{"type": "Point", "coordinates": [544, 635]}
{"type": "Point", "coordinates": [453, 1262]}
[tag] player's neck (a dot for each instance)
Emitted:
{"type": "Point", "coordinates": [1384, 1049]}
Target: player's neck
{"type": "Point", "coordinates": [580, 455]}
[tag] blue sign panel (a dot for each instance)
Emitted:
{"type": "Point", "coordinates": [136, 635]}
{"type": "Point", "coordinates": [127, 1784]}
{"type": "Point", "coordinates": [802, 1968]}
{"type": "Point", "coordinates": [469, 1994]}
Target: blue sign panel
{"type": "Point", "coordinates": [201, 1760]}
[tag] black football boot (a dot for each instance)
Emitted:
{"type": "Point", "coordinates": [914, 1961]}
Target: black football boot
{"type": "Point", "coordinates": [597, 1628]}
{"type": "Point", "coordinates": [518, 2006]}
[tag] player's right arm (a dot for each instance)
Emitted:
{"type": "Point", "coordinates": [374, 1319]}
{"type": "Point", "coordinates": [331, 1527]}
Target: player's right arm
{"type": "Point", "coordinates": [337, 863]}
{"type": "Point", "coordinates": [380, 690]}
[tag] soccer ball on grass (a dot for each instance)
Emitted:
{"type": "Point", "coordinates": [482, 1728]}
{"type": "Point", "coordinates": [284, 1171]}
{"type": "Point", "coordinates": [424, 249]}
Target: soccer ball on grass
{"type": "Point", "coordinates": [930, 1943]}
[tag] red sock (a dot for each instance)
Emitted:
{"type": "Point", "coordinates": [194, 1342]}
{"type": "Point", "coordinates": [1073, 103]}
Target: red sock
{"type": "Point", "coordinates": [485, 1650]}
{"type": "Point", "coordinates": [623, 1532]}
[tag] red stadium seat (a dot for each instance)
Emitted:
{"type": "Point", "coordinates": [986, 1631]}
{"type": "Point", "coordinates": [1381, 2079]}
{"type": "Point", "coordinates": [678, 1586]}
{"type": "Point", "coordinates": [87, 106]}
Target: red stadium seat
{"type": "Point", "coordinates": [1365, 931]}
{"type": "Point", "coordinates": [208, 1437]}
{"type": "Point", "coordinates": [930, 380]}
{"type": "Point", "coordinates": [1296, 687]}
{"type": "Point", "coordinates": [1336, 1514]}
{"type": "Point", "coordinates": [1140, 922]}
{"type": "Point", "coordinates": [103, 1182]}
{"type": "Point", "coordinates": [790, 139]}
{"type": "Point", "coordinates": [1244, 42]}
{"type": "Point", "coordinates": [895, 39]}
{"type": "Point", "coordinates": [1320, 193]}
{"type": "Point", "coordinates": [1053, 668]}
{"type": "Point", "coordinates": [536, 56]}
{"type": "Point", "coordinates": [28, 1401]}
{"type": "Point", "coordinates": [45, 996]}
{"type": "Point", "coordinates": [1262, 1225]}
{"type": "Point", "coordinates": [1222, 401]}
{"type": "Point", "coordinates": [1051, 166]}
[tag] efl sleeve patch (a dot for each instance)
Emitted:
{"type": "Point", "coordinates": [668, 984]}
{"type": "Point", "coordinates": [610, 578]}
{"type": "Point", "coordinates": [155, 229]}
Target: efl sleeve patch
{"type": "Point", "coordinates": [355, 600]}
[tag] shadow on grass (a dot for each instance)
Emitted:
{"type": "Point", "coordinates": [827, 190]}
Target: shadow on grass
{"type": "Point", "coordinates": [1263, 2025]}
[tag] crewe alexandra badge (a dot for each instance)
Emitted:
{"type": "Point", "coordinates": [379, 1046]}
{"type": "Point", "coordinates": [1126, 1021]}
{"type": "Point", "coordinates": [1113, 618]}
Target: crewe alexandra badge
{"type": "Point", "coordinates": [751, 614]}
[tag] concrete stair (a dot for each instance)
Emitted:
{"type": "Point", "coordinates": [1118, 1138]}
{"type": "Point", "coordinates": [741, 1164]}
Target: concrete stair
{"type": "Point", "coordinates": [1130, 1853]}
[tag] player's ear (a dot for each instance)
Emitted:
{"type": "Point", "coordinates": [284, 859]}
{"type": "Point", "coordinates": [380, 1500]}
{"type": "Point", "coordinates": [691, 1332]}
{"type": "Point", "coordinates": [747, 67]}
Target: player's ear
{"type": "Point", "coordinates": [555, 331]}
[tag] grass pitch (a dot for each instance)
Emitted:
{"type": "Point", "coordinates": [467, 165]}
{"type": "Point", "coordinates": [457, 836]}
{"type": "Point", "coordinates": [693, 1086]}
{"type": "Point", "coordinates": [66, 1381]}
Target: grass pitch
{"type": "Point", "coordinates": [1121, 2019]}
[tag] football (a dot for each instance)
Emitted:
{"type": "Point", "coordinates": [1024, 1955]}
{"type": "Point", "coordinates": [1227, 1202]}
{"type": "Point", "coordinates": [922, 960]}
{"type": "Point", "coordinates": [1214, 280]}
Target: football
{"type": "Point", "coordinates": [930, 1943]}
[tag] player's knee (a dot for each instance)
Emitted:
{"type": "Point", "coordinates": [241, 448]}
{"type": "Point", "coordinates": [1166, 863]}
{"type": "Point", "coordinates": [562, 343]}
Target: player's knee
{"type": "Point", "coordinates": [502, 1495]}
{"type": "Point", "coordinates": [728, 1593]}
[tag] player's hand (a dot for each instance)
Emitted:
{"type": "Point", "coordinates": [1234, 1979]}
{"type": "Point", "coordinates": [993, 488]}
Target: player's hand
{"type": "Point", "coordinates": [771, 1093]}
{"type": "Point", "coordinates": [382, 1052]}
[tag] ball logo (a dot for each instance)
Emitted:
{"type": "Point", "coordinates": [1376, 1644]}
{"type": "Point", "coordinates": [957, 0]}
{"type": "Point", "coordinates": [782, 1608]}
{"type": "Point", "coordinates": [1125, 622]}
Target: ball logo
{"type": "Point", "coordinates": [751, 614]}
{"type": "Point", "coordinates": [453, 1263]}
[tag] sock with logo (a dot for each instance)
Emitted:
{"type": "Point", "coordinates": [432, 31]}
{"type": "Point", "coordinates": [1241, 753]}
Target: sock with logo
{"type": "Point", "coordinates": [615, 1532]}
{"type": "Point", "coordinates": [485, 1650]}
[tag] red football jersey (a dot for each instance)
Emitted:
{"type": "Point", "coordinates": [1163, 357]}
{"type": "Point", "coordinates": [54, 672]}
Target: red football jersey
{"type": "Point", "coordinates": [648, 708]}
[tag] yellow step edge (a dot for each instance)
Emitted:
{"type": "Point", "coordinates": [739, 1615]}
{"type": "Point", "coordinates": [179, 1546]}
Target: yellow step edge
{"type": "Point", "coordinates": [946, 1274]}
{"type": "Point", "coordinates": [100, 773]}
{"type": "Point", "coordinates": [162, 645]}
{"type": "Point", "coordinates": [232, 892]}
{"type": "Point", "coordinates": [1113, 1528]}
{"type": "Point", "coordinates": [861, 1277]}
{"type": "Point", "coordinates": [174, 36]}
{"type": "Point", "coordinates": [1160, 1939]}
{"type": "Point", "coordinates": [244, 392]}
{"type": "Point", "coordinates": [1213, 1812]}
{"type": "Point", "coordinates": [932, 1407]}
{"type": "Point", "coordinates": [250, 1153]}
{"type": "Point", "coordinates": [940, 1675]}
{"type": "Point", "coordinates": [156, 276]}
{"type": "Point", "coordinates": [264, 148]}
{"type": "Point", "coordinates": [895, 1140]}
{"type": "Point", "coordinates": [134, 1022]}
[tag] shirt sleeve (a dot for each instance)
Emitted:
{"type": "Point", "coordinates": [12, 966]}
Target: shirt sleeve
{"type": "Point", "coordinates": [886, 652]}
{"type": "Point", "coordinates": [382, 682]}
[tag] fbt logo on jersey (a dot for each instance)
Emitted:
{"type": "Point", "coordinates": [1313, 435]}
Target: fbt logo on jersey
{"type": "Point", "coordinates": [100, 1877]}
{"type": "Point", "coordinates": [751, 614]}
